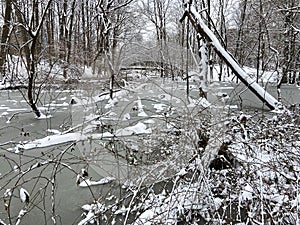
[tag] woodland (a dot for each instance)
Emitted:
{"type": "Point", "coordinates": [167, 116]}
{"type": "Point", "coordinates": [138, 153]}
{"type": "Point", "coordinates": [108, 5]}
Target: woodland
{"type": "Point", "coordinates": [149, 112]}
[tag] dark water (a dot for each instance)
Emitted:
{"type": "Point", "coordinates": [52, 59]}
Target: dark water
{"type": "Point", "coordinates": [68, 196]}
{"type": "Point", "coordinates": [243, 98]}
{"type": "Point", "coordinates": [23, 126]}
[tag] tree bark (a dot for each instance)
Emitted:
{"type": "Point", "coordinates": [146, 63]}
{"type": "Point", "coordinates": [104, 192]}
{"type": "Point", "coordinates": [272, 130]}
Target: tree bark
{"type": "Point", "coordinates": [50, 34]}
{"type": "Point", "coordinates": [237, 52]}
{"type": "Point", "coordinates": [30, 40]}
{"type": "Point", "coordinates": [202, 29]}
{"type": "Point", "coordinates": [70, 33]}
{"type": "Point", "coordinates": [5, 37]}
{"type": "Point", "coordinates": [31, 87]}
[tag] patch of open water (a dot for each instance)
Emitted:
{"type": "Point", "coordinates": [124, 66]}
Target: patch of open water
{"type": "Point", "coordinates": [89, 154]}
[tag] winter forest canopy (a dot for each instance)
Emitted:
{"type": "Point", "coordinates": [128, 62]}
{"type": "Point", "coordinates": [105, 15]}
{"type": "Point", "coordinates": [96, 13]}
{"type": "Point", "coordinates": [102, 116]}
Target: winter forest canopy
{"type": "Point", "coordinates": [149, 112]}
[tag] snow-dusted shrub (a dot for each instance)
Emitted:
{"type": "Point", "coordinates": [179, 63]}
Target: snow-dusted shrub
{"type": "Point", "coordinates": [260, 187]}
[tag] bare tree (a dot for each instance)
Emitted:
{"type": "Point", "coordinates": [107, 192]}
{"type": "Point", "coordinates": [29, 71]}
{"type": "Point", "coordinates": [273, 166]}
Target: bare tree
{"type": "Point", "coordinates": [66, 13]}
{"type": "Point", "coordinates": [5, 36]}
{"type": "Point", "coordinates": [112, 20]}
{"type": "Point", "coordinates": [265, 26]}
{"type": "Point", "coordinates": [30, 27]}
{"type": "Point", "coordinates": [157, 12]}
{"type": "Point", "coordinates": [291, 14]}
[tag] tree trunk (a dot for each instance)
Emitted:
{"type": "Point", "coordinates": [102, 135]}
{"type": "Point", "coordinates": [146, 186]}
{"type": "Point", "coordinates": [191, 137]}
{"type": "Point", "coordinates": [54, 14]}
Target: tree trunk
{"type": "Point", "coordinates": [202, 29]}
{"type": "Point", "coordinates": [24, 39]}
{"type": "Point", "coordinates": [50, 35]}
{"type": "Point", "coordinates": [63, 37]}
{"type": "Point", "coordinates": [237, 52]}
{"type": "Point", "coordinates": [84, 42]}
{"type": "Point", "coordinates": [30, 41]}
{"type": "Point", "coordinates": [5, 37]}
{"type": "Point", "coordinates": [260, 35]}
{"type": "Point", "coordinates": [31, 87]}
{"type": "Point", "coordinates": [289, 43]}
{"type": "Point", "coordinates": [70, 33]}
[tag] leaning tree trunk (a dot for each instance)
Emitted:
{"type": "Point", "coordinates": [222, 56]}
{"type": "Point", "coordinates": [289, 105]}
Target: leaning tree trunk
{"type": "Point", "coordinates": [203, 30]}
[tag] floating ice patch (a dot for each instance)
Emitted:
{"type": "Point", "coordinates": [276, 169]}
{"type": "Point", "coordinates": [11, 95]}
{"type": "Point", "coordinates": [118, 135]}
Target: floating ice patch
{"type": "Point", "coordinates": [124, 99]}
{"type": "Point", "coordinates": [159, 107]}
{"type": "Point", "coordinates": [49, 141]}
{"type": "Point", "coordinates": [139, 128]}
{"type": "Point", "coordinates": [3, 107]}
{"type": "Point", "coordinates": [24, 195]}
{"type": "Point", "coordinates": [231, 107]}
{"type": "Point", "coordinates": [112, 114]}
{"type": "Point", "coordinates": [53, 131]}
{"type": "Point", "coordinates": [62, 99]}
{"type": "Point", "coordinates": [126, 116]}
{"type": "Point", "coordinates": [64, 104]}
{"type": "Point", "coordinates": [150, 121]}
{"type": "Point", "coordinates": [199, 102]}
{"type": "Point", "coordinates": [141, 113]}
{"type": "Point", "coordinates": [86, 207]}
{"type": "Point", "coordinates": [4, 114]}
{"type": "Point", "coordinates": [80, 101]}
{"type": "Point", "coordinates": [100, 136]}
{"type": "Point", "coordinates": [16, 110]}
{"type": "Point", "coordinates": [168, 97]}
{"type": "Point", "coordinates": [43, 116]}
{"type": "Point", "coordinates": [226, 88]}
{"type": "Point", "coordinates": [7, 193]}
{"type": "Point", "coordinates": [140, 106]}
{"type": "Point", "coordinates": [13, 101]}
{"type": "Point", "coordinates": [88, 182]}
{"type": "Point", "coordinates": [111, 103]}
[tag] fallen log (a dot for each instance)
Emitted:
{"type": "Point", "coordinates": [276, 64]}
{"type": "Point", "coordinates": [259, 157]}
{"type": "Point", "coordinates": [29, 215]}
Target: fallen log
{"type": "Point", "coordinates": [202, 29]}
